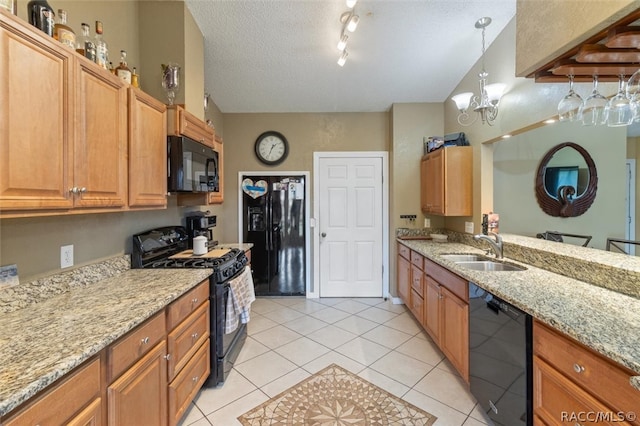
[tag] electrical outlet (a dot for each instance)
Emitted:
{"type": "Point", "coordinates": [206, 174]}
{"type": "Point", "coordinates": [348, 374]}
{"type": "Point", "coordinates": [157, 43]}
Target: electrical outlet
{"type": "Point", "coordinates": [66, 256]}
{"type": "Point", "coordinates": [468, 227]}
{"type": "Point", "coordinates": [427, 222]}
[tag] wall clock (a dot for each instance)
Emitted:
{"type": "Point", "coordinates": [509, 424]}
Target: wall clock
{"type": "Point", "coordinates": [272, 148]}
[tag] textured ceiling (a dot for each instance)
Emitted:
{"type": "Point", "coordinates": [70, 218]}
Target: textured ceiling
{"type": "Point", "coordinates": [280, 55]}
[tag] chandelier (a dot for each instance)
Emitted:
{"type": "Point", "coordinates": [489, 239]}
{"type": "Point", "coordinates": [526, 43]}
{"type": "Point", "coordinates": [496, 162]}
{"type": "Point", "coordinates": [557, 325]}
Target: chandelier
{"type": "Point", "coordinates": [485, 104]}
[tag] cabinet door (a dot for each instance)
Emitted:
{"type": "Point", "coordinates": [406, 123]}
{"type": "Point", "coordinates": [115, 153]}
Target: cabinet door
{"type": "Point", "coordinates": [435, 182]}
{"type": "Point", "coordinates": [454, 337]}
{"type": "Point", "coordinates": [147, 150]}
{"type": "Point", "coordinates": [36, 120]}
{"type": "Point", "coordinates": [432, 308]}
{"type": "Point", "coordinates": [100, 156]}
{"type": "Point", "coordinates": [404, 279]}
{"type": "Point", "coordinates": [90, 416]}
{"type": "Point", "coordinates": [139, 396]}
{"type": "Point", "coordinates": [558, 401]}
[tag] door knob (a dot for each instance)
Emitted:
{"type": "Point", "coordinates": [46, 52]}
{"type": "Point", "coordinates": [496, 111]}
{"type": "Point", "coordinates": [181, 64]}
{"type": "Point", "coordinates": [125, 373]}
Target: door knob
{"type": "Point", "coordinates": [324, 234]}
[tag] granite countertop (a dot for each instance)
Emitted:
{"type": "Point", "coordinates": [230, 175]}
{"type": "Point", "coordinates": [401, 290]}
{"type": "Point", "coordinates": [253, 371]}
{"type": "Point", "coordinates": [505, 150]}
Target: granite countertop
{"type": "Point", "coordinates": [46, 340]}
{"type": "Point", "coordinates": [241, 246]}
{"type": "Point", "coordinates": [604, 320]}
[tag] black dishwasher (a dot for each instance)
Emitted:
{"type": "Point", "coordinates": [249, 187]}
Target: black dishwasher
{"type": "Point", "coordinates": [500, 358]}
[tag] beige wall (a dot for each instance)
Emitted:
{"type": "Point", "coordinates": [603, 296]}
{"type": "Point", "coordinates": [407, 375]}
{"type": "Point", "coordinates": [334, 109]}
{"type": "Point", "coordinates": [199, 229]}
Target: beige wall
{"type": "Point", "coordinates": [515, 164]}
{"type": "Point", "coordinates": [306, 133]}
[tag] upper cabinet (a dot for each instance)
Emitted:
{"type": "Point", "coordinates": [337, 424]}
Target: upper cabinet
{"type": "Point", "coordinates": [147, 150]}
{"type": "Point", "coordinates": [182, 123]}
{"type": "Point", "coordinates": [446, 181]}
{"type": "Point", "coordinates": [36, 119]}
{"type": "Point", "coordinates": [72, 142]}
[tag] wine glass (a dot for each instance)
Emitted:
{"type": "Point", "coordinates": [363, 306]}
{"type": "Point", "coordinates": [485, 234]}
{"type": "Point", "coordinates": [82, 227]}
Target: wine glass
{"type": "Point", "coordinates": [633, 92]}
{"type": "Point", "coordinates": [619, 109]}
{"type": "Point", "coordinates": [171, 80]}
{"type": "Point", "coordinates": [592, 110]}
{"type": "Point", "coordinates": [569, 106]}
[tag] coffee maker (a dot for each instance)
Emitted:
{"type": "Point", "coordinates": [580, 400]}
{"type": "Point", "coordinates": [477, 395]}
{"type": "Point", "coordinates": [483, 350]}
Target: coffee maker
{"type": "Point", "coordinates": [201, 223]}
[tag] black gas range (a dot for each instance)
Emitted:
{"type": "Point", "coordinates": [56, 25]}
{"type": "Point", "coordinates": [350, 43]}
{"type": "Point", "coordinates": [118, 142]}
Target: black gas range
{"type": "Point", "coordinates": [169, 247]}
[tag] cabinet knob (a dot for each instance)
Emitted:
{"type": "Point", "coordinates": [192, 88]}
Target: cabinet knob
{"type": "Point", "coordinates": [194, 336]}
{"type": "Point", "coordinates": [73, 190]}
{"type": "Point", "coordinates": [195, 379]}
{"type": "Point", "coordinates": [83, 189]}
{"type": "Point", "coordinates": [324, 234]}
{"type": "Point", "coordinates": [144, 341]}
{"type": "Point", "coordinates": [578, 368]}
{"type": "Point", "coordinates": [194, 300]}
{"type": "Point", "coordinates": [167, 357]}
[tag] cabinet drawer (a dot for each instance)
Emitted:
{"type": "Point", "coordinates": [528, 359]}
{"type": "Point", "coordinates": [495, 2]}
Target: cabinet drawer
{"type": "Point", "coordinates": [135, 344]}
{"type": "Point", "coordinates": [416, 259]}
{"type": "Point", "coordinates": [417, 306]}
{"type": "Point", "coordinates": [586, 368]}
{"type": "Point", "coordinates": [64, 400]}
{"type": "Point", "coordinates": [185, 387]}
{"type": "Point", "coordinates": [404, 251]}
{"type": "Point", "coordinates": [457, 285]}
{"type": "Point", "coordinates": [416, 280]}
{"type": "Point", "coordinates": [186, 338]}
{"type": "Point", "coordinates": [186, 304]}
{"type": "Point", "coordinates": [558, 401]}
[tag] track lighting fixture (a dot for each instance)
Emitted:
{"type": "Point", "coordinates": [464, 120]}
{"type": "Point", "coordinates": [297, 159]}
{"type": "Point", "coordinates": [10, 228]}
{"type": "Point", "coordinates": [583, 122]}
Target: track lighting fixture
{"type": "Point", "coordinates": [343, 58]}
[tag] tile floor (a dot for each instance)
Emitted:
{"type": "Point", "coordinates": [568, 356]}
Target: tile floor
{"type": "Point", "coordinates": [291, 338]}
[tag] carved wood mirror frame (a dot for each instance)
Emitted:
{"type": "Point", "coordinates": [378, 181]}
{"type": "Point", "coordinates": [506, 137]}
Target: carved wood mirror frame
{"type": "Point", "coordinates": [566, 205]}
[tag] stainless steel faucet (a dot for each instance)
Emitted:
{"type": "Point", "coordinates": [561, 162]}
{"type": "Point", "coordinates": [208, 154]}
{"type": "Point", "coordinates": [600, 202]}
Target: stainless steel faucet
{"type": "Point", "coordinates": [496, 245]}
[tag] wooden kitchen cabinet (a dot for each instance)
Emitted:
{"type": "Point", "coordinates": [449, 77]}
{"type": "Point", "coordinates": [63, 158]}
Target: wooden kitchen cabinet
{"type": "Point", "coordinates": [67, 132]}
{"type": "Point", "coordinates": [181, 122]}
{"type": "Point", "coordinates": [189, 349]}
{"type": "Point", "coordinates": [36, 120]}
{"type": "Point", "coordinates": [139, 396]}
{"type": "Point", "coordinates": [403, 273]}
{"type": "Point", "coordinates": [100, 154]}
{"type": "Point", "coordinates": [75, 400]}
{"type": "Point", "coordinates": [147, 151]}
{"type": "Point", "coordinates": [446, 181]}
{"type": "Point", "coordinates": [569, 377]}
{"type": "Point", "coordinates": [447, 314]}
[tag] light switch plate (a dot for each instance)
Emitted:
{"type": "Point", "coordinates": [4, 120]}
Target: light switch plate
{"type": "Point", "coordinates": [427, 222]}
{"type": "Point", "coordinates": [66, 256]}
{"type": "Point", "coordinates": [468, 227]}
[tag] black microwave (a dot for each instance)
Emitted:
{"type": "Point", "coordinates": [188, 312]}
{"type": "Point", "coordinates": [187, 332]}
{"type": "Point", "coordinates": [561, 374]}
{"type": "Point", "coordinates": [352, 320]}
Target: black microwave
{"type": "Point", "coordinates": [192, 166]}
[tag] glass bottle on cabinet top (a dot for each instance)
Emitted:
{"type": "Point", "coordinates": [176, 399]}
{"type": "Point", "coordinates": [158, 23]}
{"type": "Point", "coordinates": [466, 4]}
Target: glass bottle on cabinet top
{"type": "Point", "coordinates": [123, 70]}
{"type": "Point", "coordinates": [135, 82]}
{"type": "Point", "coordinates": [85, 45]}
{"type": "Point", "coordinates": [102, 50]}
{"type": "Point", "coordinates": [41, 16]}
{"type": "Point", "coordinates": [62, 32]}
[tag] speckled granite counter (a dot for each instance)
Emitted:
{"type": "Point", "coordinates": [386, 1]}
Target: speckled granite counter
{"type": "Point", "coordinates": [44, 341]}
{"type": "Point", "coordinates": [602, 319]}
{"type": "Point", "coordinates": [241, 246]}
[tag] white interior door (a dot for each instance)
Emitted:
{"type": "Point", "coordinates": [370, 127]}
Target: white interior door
{"type": "Point", "coordinates": [350, 226]}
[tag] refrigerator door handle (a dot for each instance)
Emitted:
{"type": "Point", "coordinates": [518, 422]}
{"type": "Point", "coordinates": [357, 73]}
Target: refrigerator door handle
{"type": "Point", "coordinates": [268, 226]}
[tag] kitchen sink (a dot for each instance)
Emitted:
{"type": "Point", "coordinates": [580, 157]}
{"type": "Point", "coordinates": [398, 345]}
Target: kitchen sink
{"type": "Point", "coordinates": [489, 265]}
{"type": "Point", "coordinates": [463, 257]}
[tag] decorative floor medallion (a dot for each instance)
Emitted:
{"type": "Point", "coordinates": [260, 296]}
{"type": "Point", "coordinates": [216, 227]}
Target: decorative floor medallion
{"type": "Point", "coordinates": [337, 397]}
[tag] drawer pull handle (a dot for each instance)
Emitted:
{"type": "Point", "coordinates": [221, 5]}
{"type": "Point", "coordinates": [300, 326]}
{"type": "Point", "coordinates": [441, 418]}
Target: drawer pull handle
{"type": "Point", "coordinates": [144, 341]}
{"type": "Point", "coordinates": [578, 368]}
{"type": "Point", "coordinates": [194, 300]}
{"type": "Point", "coordinates": [195, 379]}
{"type": "Point", "coordinates": [194, 336]}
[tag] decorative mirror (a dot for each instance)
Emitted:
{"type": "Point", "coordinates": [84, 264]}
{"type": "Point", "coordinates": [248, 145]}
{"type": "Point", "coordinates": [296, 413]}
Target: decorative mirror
{"type": "Point", "coordinates": [566, 181]}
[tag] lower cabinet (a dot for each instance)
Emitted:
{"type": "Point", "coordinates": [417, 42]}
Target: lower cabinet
{"type": "Point", "coordinates": [76, 400]}
{"type": "Point", "coordinates": [439, 300]}
{"type": "Point", "coordinates": [139, 396]}
{"type": "Point", "coordinates": [447, 314]}
{"type": "Point", "coordinates": [572, 382]}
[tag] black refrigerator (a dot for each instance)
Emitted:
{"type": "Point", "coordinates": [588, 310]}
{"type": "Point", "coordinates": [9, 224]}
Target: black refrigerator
{"type": "Point", "coordinates": [273, 212]}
